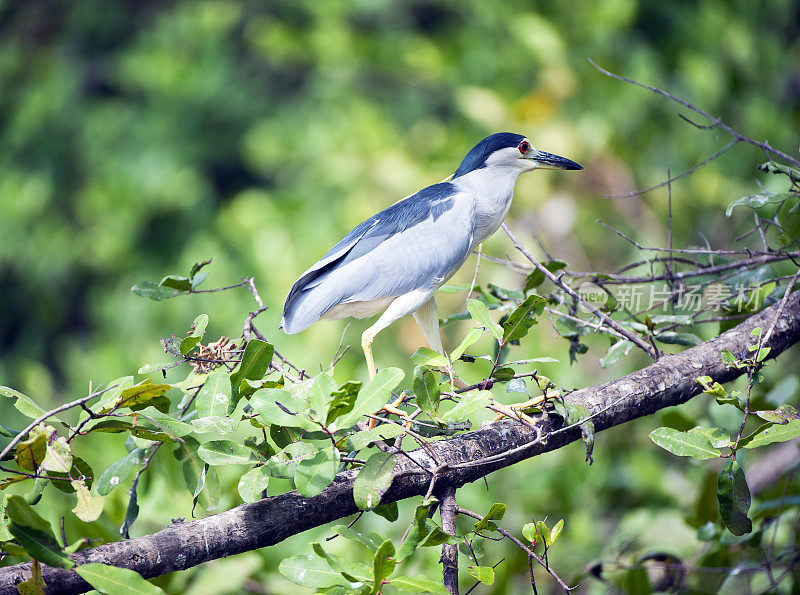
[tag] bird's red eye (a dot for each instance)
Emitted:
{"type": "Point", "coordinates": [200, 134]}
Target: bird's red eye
{"type": "Point", "coordinates": [524, 147]}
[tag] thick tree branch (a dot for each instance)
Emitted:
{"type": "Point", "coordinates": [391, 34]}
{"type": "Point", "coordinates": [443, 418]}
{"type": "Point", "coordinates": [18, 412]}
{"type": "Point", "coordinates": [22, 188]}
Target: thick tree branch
{"type": "Point", "coordinates": [459, 460]}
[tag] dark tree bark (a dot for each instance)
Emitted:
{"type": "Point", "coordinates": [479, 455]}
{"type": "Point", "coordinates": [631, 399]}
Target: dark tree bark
{"type": "Point", "coordinates": [468, 457]}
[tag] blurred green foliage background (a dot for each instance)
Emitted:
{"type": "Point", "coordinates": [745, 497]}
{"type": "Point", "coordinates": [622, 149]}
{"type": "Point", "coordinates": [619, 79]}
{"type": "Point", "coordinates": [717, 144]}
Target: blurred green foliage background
{"type": "Point", "coordinates": [137, 137]}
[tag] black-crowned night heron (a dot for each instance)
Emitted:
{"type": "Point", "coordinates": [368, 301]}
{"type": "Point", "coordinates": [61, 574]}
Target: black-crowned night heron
{"type": "Point", "coordinates": [396, 260]}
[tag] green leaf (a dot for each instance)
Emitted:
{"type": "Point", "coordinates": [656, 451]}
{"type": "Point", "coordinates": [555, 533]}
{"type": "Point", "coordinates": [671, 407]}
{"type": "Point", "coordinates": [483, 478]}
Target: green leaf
{"type": "Point", "coordinates": [756, 201]}
{"type": "Point", "coordinates": [194, 471]}
{"type": "Point", "coordinates": [34, 533]}
{"type": "Point", "coordinates": [673, 338]}
{"type": "Point", "coordinates": [684, 444]}
{"type": "Point", "coordinates": [219, 426]}
{"type": "Point", "coordinates": [417, 532]}
{"type": "Point", "coordinates": [317, 392]}
{"type": "Point", "coordinates": [196, 335]}
{"type": "Point", "coordinates": [113, 580]}
{"type": "Point", "coordinates": [503, 374]}
{"type": "Point", "coordinates": [120, 471]}
{"type": "Point", "coordinates": [31, 452]}
{"type": "Point", "coordinates": [523, 318]}
{"type": "Point", "coordinates": [436, 537]}
{"type": "Point", "coordinates": [372, 541]}
{"type": "Point", "coordinates": [717, 437]}
{"type": "Point", "coordinates": [615, 353]}
{"type": "Point", "coordinates": [176, 282]}
{"type": "Point", "coordinates": [157, 426]}
{"type": "Point", "coordinates": [214, 398]}
{"type": "Point", "coordinates": [19, 511]}
{"type": "Point", "coordinates": [418, 585]}
{"type": "Point", "coordinates": [373, 396]}
{"type": "Point", "coordinates": [253, 483]}
{"type": "Point", "coordinates": [23, 403]}
{"type": "Point", "coordinates": [768, 433]}
{"type": "Point", "coordinates": [59, 457]}
{"type": "Point", "coordinates": [311, 571]}
{"type": "Point", "coordinates": [255, 362]}
{"type": "Point", "coordinates": [536, 277]}
{"type": "Point", "coordinates": [373, 479]}
{"type": "Point", "coordinates": [388, 511]}
{"type": "Point", "coordinates": [364, 438]}
{"type": "Point", "coordinates": [496, 513]}
{"type": "Point", "coordinates": [154, 291]}
{"type": "Point", "coordinates": [555, 532]}
{"type": "Point", "coordinates": [343, 400]}
{"type": "Point", "coordinates": [428, 357]}
{"type": "Point", "coordinates": [734, 499]}
{"type": "Point", "coordinates": [316, 473]}
{"type": "Point", "coordinates": [383, 564]}
{"type": "Point", "coordinates": [281, 408]}
{"type": "Point", "coordinates": [426, 390]}
{"type": "Point", "coordinates": [468, 404]}
{"type": "Point", "coordinates": [472, 336]}
{"type": "Point", "coordinates": [352, 571]}
{"type": "Point", "coordinates": [88, 507]}
{"type": "Point", "coordinates": [225, 452]}
{"type": "Point", "coordinates": [480, 314]}
{"type": "Point", "coordinates": [484, 574]}
{"type": "Point", "coordinates": [139, 394]}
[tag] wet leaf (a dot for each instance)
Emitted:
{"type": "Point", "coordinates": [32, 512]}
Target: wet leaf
{"type": "Point", "coordinates": [733, 495]}
{"type": "Point", "coordinates": [119, 581]}
{"type": "Point", "coordinates": [373, 479]}
{"type": "Point", "coordinates": [196, 334]}
{"type": "Point", "coordinates": [484, 574]}
{"type": "Point", "coordinates": [154, 291]}
{"type": "Point", "coordinates": [225, 452]}
{"type": "Point", "coordinates": [373, 396]}
{"type": "Point", "coordinates": [214, 398]}
{"type": "Point", "coordinates": [523, 318]}
{"type": "Point", "coordinates": [311, 571]}
{"type": "Point", "coordinates": [255, 362]}
{"type": "Point", "coordinates": [316, 473]}
{"type": "Point", "coordinates": [426, 390]}
{"type": "Point", "coordinates": [88, 507]}
{"type": "Point", "coordinates": [480, 314]}
{"type": "Point", "coordinates": [253, 483]}
{"type": "Point", "coordinates": [684, 444]}
{"type": "Point", "coordinates": [768, 433]}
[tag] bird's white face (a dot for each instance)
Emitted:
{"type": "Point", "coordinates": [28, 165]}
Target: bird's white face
{"type": "Point", "coordinates": [524, 158]}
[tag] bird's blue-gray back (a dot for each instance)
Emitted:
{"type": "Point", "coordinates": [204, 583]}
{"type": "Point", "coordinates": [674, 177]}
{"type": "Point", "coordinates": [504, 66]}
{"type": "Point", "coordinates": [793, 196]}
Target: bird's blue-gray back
{"type": "Point", "coordinates": [425, 255]}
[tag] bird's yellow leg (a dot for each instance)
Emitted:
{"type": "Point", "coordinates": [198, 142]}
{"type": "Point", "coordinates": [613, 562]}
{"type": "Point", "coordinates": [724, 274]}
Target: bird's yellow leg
{"type": "Point", "coordinates": [366, 345]}
{"type": "Point", "coordinates": [517, 409]}
{"type": "Point", "coordinates": [427, 317]}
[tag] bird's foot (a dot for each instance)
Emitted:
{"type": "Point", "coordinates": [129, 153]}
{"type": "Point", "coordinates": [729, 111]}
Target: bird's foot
{"type": "Point", "coordinates": [517, 410]}
{"type": "Point", "coordinates": [394, 409]}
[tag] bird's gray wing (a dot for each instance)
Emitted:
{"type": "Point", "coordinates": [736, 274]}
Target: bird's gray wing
{"type": "Point", "coordinates": [414, 244]}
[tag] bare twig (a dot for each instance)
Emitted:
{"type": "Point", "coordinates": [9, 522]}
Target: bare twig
{"type": "Point", "coordinates": [715, 122]}
{"type": "Point", "coordinates": [632, 337]}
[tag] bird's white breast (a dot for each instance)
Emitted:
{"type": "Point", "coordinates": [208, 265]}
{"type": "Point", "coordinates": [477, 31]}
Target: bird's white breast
{"type": "Point", "coordinates": [491, 190]}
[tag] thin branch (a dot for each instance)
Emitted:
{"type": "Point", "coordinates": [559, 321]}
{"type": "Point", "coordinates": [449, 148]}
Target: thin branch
{"type": "Point", "coordinates": [48, 414]}
{"type": "Point", "coordinates": [715, 122]}
{"type": "Point", "coordinates": [633, 338]}
{"type": "Point", "coordinates": [683, 174]}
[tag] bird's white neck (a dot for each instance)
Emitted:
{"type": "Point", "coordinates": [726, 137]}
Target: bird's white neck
{"type": "Point", "coordinates": [492, 189]}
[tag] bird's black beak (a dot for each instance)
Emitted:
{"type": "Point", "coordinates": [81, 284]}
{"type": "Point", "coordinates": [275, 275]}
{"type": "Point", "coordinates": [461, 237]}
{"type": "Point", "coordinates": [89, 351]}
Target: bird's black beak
{"type": "Point", "coordinates": [550, 161]}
